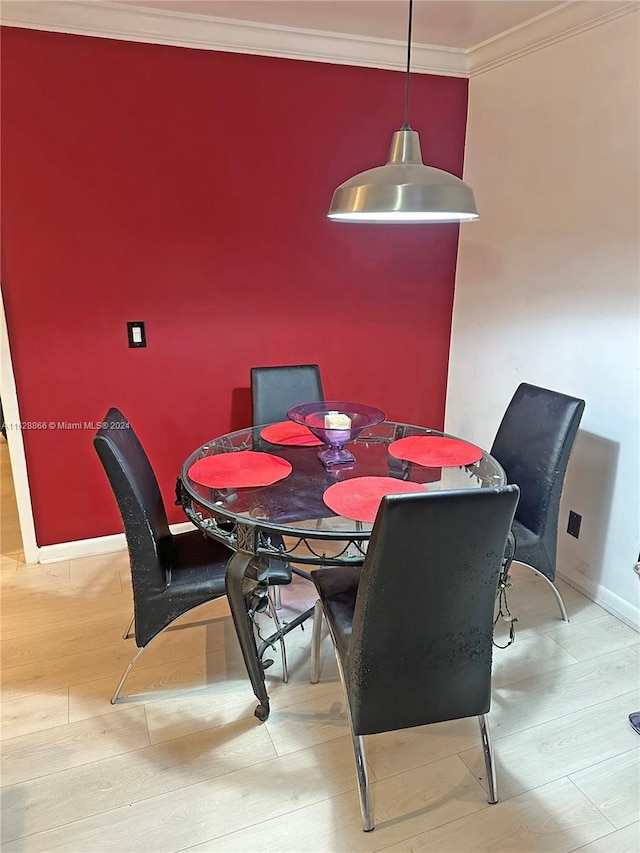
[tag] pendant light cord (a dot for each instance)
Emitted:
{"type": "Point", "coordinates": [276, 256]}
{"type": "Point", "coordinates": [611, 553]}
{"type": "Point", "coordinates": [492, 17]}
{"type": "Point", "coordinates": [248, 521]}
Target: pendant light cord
{"type": "Point", "coordinates": [406, 125]}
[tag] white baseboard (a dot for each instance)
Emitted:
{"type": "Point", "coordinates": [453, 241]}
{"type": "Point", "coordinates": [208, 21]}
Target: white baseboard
{"type": "Point", "coordinates": [623, 610]}
{"type": "Point", "coordinates": [94, 547]}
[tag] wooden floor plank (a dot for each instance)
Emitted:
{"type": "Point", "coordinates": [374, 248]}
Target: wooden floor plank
{"type": "Point", "coordinates": [590, 639]}
{"type": "Point", "coordinates": [406, 804]}
{"type": "Point", "coordinates": [72, 794]}
{"type": "Point", "coordinates": [557, 748]}
{"type": "Point", "coordinates": [549, 696]}
{"type": "Point", "coordinates": [625, 840]}
{"type": "Point", "coordinates": [34, 755]}
{"type": "Point", "coordinates": [207, 809]}
{"type": "Point", "coordinates": [556, 818]}
{"type": "Point", "coordinates": [613, 786]}
{"type": "Point", "coordinates": [33, 713]}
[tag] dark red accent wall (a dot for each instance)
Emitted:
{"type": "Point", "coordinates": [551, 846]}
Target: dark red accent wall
{"type": "Point", "coordinates": [189, 189]}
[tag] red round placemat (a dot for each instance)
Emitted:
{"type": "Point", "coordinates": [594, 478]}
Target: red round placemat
{"type": "Point", "coordinates": [238, 470]}
{"type": "Point", "coordinates": [291, 434]}
{"type": "Point", "coordinates": [359, 498]}
{"type": "Point", "coordinates": [435, 451]}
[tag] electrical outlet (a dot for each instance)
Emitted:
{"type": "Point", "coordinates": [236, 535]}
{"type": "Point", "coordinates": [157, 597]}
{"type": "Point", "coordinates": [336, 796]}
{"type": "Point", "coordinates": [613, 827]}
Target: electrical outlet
{"type": "Point", "coordinates": [573, 527]}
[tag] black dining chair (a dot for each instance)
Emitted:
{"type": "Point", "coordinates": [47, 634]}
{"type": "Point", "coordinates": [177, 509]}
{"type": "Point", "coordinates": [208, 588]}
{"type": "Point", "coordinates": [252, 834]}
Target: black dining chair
{"type": "Point", "coordinates": [533, 444]}
{"type": "Point", "coordinates": [274, 390]}
{"type": "Point", "coordinates": [412, 630]}
{"type": "Point", "coordinates": [171, 574]}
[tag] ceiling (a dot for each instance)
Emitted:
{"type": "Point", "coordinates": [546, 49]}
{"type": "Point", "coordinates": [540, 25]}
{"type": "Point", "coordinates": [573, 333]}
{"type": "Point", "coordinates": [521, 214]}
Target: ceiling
{"type": "Point", "coordinates": [451, 37]}
{"type": "Point", "coordinates": [459, 24]}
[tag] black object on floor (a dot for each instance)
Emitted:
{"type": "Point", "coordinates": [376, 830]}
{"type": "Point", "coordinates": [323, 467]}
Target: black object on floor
{"type": "Point", "coordinates": [634, 719]}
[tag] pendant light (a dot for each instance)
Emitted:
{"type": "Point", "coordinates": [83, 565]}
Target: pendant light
{"type": "Point", "coordinates": [404, 190]}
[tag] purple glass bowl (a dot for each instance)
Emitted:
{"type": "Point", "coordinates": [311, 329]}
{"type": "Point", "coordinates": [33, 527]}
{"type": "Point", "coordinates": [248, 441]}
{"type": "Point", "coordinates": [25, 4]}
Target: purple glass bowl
{"type": "Point", "coordinates": [312, 416]}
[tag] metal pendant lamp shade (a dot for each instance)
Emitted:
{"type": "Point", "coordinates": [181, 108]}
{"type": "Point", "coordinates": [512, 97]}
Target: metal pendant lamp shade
{"type": "Point", "coordinates": [404, 190]}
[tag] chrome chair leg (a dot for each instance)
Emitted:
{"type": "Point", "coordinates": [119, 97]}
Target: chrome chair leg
{"type": "Point", "coordinates": [488, 759]}
{"type": "Point", "coordinates": [366, 807]}
{"type": "Point", "coordinates": [316, 638]}
{"type": "Point", "coordinates": [277, 597]}
{"type": "Point", "coordinates": [134, 660]}
{"type": "Point", "coordinates": [283, 648]}
{"type": "Point", "coordinates": [132, 663]}
{"type": "Point", "coordinates": [126, 634]}
{"type": "Point", "coordinates": [363, 781]}
{"type": "Point", "coordinates": [554, 589]}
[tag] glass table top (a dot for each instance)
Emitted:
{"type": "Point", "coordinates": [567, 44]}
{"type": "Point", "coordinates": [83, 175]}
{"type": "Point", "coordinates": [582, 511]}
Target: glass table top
{"type": "Point", "coordinates": [295, 503]}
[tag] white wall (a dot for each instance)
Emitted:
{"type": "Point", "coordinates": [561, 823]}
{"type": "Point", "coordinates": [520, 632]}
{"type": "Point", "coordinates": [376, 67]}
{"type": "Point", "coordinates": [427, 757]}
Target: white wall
{"type": "Point", "coordinates": [548, 284]}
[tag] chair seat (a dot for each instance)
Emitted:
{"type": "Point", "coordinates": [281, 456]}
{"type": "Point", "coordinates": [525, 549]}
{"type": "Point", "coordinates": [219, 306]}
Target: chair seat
{"type": "Point", "coordinates": [525, 538]}
{"type": "Point", "coordinates": [279, 572]}
{"type": "Point", "coordinates": [530, 549]}
{"type": "Point", "coordinates": [337, 591]}
{"type": "Point", "coordinates": [197, 564]}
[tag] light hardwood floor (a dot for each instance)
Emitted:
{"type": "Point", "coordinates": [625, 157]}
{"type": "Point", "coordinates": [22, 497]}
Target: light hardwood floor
{"type": "Point", "coordinates": [182, 763]}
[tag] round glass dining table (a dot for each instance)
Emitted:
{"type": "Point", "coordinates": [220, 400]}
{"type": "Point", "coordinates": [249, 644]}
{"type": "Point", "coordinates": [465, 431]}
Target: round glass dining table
{"type": "Point", "coordinates": [289, 519]}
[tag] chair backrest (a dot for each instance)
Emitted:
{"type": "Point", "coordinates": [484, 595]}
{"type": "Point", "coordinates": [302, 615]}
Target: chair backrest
{"type": "Point", "coordinates": [274, 390]}
{"type": "Point", "coordinates": [139, 500]}
{"type": "Point", "coordinates": [533, 445]}
{"type": "Point", "coordinates": [421, 644]}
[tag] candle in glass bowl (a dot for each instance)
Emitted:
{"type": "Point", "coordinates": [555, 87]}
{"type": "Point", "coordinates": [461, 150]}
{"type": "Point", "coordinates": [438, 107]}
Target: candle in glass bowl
{"type": "Point", "coordinates": [337, 420]}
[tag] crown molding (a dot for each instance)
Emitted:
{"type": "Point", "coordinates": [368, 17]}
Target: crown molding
{"type": "Point", "coordinates": [549, 28]}
{"type": "Point", "coordinates": [104, 19]}
{"type": "Point", "coordinates": [153, 26]}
